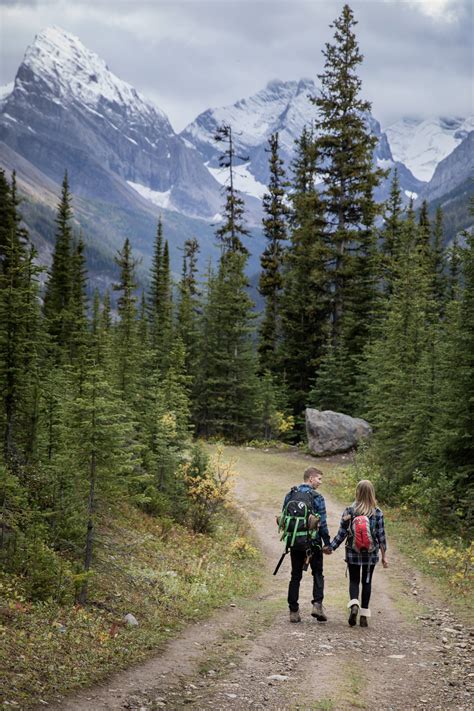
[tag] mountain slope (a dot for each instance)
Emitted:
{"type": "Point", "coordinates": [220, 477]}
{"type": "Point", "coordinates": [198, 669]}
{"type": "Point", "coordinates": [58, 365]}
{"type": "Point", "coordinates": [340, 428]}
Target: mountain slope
{"type": "Point", "coordinates": [284, 107]}
{"type": "Point", "coordinates": [422, 144]}
{"type": "Point", "coordinates": [67, 110]}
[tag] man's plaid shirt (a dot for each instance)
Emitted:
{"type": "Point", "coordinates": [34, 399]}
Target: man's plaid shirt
{"type": "Point", "coordinates": [378, 530]}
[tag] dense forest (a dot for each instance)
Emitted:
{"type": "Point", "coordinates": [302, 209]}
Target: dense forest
{"type": "Point", "coordinates": [365, 313]}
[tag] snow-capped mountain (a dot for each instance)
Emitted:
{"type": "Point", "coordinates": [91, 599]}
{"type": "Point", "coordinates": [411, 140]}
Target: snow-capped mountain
{"type": "Point", "coordinates": [455, 170]}
{"type": "Point", "coordinates": [284, 107]}
{"type": "Point", "coordinates": [422, 144]}
{"type": "Point", "coordinates": [68, 110]}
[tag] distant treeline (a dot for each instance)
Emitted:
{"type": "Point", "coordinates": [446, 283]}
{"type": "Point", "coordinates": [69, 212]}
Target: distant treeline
{"type": "Point", "coordinates": [366, 319]}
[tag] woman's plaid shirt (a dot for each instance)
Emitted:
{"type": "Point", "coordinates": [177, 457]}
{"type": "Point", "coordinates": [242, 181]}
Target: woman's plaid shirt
{"type": "Point", "coordinates": [378, 530]}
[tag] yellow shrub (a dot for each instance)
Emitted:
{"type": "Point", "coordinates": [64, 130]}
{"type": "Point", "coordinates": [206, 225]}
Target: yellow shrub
{"type": "Point", "coordinates": [459, 562]}
{"type": "Point", "coordinates": [240, 548]}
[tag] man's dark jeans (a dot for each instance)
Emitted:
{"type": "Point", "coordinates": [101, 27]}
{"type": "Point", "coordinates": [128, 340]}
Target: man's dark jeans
{"type": "Point", "coordinates": [297, 562]}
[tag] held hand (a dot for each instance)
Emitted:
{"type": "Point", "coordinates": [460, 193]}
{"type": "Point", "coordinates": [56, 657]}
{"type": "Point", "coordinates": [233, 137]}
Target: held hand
{"type": "Point", "coordinates": [327, 550]}
{"type": "Point", "coordinates": [384, 562]}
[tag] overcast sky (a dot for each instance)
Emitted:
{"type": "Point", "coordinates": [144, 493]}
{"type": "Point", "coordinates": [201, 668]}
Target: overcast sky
{"type": "Point", "coordinates": [189, 55]}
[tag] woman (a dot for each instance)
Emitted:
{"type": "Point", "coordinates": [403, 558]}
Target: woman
{"type": "Point", "coordinates": [362, 526]}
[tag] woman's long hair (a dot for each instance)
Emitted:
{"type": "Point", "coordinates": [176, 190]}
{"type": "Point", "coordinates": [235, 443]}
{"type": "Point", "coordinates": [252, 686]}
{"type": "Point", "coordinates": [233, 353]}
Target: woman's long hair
{"type": "Point", "coordinates": [365, 502]}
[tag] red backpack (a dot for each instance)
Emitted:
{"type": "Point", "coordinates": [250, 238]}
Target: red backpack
{"type": "Point", "coordinates": [362, 538]}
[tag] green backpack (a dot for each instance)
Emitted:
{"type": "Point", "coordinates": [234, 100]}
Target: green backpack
{"type": "Point", "coordinates": [298, 523]}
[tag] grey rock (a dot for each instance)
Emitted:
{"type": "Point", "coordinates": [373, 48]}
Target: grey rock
{"type": "Point", "coordinates": [131, 620]}
{"type": "Point", "coordinates": [332, 432]}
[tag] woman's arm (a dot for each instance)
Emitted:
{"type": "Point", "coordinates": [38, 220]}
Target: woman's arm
{"type": "Point", "coordinates": [343, 530]}
{"type": "Point", "coordinates": [381, 538]}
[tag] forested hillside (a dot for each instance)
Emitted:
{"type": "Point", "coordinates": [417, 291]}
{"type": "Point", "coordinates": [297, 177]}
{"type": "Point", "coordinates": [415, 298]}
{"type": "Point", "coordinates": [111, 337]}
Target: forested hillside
{"type": "Point", "coordinates": [365, 312]}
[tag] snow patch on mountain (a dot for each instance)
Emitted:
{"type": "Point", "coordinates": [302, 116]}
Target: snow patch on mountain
{"type": "Point", "coordinates": [422, 144]}
{"type": "Point", "coordinates": [6, 90]}
{"type": "Point", "coordinates": [162, 199]}
{"type": "Point", "coordinates": [244, 181]}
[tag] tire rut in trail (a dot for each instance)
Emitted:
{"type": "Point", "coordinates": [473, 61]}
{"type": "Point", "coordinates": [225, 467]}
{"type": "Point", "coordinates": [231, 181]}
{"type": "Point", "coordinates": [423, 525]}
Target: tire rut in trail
{"type": "Point", "coordinates": [398, 663]}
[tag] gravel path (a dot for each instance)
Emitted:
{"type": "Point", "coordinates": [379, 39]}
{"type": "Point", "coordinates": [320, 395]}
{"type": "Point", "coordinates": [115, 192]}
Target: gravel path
{"type": "Point", "coordinates": [414, 655]}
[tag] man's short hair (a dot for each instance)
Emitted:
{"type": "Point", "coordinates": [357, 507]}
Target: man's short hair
{"type": "Point", "coordinates": [311, 471]}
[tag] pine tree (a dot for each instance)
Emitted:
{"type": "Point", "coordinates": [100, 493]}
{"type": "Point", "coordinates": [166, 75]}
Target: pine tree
{"type": "Point", "coordinates": [227, 378]}
{"type": "Point", "coordinates": [346, 169]}
{"type": "Point", "coordinates": [58, 293]}
{"type": "Point", "coordinates": [79, 336]}
{"type": "Point", "coordinates": [233, 229]}
{"type": "Point", "coordinates": [102, 449]}
{"type": "Point", "coordinates": [390, 235]}
{"type": "Point", "coordinates": [126, 341]}
{"type": "Point", "coordinates": [271, 277]}
{"type": "Point", "coordinates": [305, 299]}
{"type": "Point", "coordinates": [20, 338]}
{"type": "Point", "coordinates": [160, 300]}
{"type": "Point", "coordinates": [189, 306]}
{"type": "Point", "coordinates": [439, 261]}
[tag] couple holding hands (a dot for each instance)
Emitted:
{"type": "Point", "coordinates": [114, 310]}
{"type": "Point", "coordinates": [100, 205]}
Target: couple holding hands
{"type": "Point", "coordinates": [306, 535]}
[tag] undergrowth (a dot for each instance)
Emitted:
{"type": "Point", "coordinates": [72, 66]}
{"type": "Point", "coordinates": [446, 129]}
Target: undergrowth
{"type": "Point", "coordinates": [159, 571]}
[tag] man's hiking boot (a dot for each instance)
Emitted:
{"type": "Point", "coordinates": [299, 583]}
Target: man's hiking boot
{"type": "Point", "coordinates": [295, 616]}
{"type": "Point", "coordinates": [354, 611]}
{"type": "Point", "coordinates": [319, 612]}
{"type": "Point", "coordinates": [364, 616]}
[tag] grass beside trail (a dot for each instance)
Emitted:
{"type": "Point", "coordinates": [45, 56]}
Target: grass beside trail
{"type": "Point", "coordinates": [158, 571]}
{"type": "Point", "coordinates": [449, 563]}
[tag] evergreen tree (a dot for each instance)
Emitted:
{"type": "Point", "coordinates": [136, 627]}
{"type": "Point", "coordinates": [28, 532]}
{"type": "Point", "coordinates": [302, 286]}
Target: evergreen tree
{"type": "Point", "coordinates": [439, 261]}
{"type": "Point", "coordinates": [390, 235]}
{"type": "Point", "coordinates": [271, 277]}
{"type": "Point", "coordinates": [189, 306]}
{"type": "Point", "coordinates": [20, 338]}
{"type": "Point", "coordinates": [58, 293]}
{"type": "Point", "coordinates": [103, 451]}
{"type": "Point", "coordinates": [78, 308]}
{"type": "Point", "coordinates": [160, 299]}
{"type": "Point", "coordinates": [305, 300]}
{"type": "Point", "coordinates": [227, 378]}
{"type": "Point", "coordinates": [345, 167]}
{"type": "Point", "coordinates": [233, 229]}
{"type": "Point", "coordinates": [126, 341]}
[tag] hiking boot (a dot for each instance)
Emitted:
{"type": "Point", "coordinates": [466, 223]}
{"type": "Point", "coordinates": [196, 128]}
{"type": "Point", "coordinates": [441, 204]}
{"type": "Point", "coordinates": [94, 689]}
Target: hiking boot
{"type": "Point", "coordinates": [364, 616]}
{"type": "Point", "coordinates": [354, 608]}
{"type": "Point", "coordinates": [319, 612]}
{"type": "Point", "coordinates": [295, 616]}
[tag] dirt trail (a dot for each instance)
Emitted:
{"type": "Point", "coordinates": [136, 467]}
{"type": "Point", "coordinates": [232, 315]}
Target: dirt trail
{"type": "Point", "coordinates": [414, 655]}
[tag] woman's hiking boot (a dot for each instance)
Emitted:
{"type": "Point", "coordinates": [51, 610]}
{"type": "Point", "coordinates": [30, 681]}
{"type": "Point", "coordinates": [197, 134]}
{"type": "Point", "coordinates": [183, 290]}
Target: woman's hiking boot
{"type": "Point", "coordinates": [364, 616]}
{"type": "Point", "coordinates": [353, 605]}
{"type": "Point", "coordinates": [295, 616]}
{"type": "Point", "coordinates": [319, 612]}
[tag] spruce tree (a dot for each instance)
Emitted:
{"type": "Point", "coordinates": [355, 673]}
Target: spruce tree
{"type": "Point", "coordinates": [233, 229]}
{"type": "Point", "coordinates": [271, 277]}
{"type": "Point", "coordinates": [305, 299]}
{"type": "Point", "coordinates": [189, 306]}
{"type": "Point", "coordinates": [126, 335]}
{"type": "Point", "coordinates": [20, 332]}
{"type": "Point", "coordinates": [345, 167]}
{"type": "Point", "coordinates": [58, 293]}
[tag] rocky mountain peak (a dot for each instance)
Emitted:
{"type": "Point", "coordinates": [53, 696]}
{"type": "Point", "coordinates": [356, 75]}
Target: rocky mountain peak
{"type": "Point", "coordinates": [58, 64]}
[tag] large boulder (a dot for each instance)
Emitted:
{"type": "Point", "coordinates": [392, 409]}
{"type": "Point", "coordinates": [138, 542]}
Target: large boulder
{"type": "Point", "coordinates": [331, 432]}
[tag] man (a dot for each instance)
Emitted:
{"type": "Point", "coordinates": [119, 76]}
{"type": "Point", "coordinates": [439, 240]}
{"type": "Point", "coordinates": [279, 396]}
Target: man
{"type": "Point", "coordinates": [311, 480]}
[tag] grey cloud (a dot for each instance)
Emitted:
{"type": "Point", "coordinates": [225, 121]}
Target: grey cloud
{"type": "Point", "coordinates": [191, 55]}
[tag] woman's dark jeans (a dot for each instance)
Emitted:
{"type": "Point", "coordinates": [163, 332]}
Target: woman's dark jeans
{"type": "Point", "coordinates": [354, 582]}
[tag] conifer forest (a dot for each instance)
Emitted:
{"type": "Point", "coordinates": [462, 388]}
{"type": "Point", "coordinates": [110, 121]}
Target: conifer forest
{"type": "Point", "coordinates": [367, 310]}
